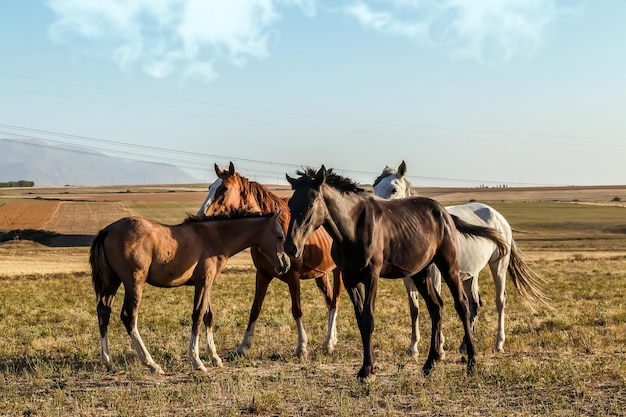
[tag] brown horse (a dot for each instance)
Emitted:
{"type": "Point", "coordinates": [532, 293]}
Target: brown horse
{"type": "Point", "coordinates": [134, 251]}
{"type": "Point", "coordinates": [233, 191]}
{"type": "Point", "coordinates": [375, 238]}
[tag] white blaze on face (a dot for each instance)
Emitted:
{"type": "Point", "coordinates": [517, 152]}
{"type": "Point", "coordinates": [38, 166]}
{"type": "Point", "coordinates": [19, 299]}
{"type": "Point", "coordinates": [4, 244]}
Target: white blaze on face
{"type": "Point", "coordinates": [387, 187]}
{"type": "Point", "coordinates": [209, 199]}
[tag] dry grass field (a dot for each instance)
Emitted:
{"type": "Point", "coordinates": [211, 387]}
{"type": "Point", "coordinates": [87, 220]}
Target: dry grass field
{"type": "Point", "coordinates": [566, 361]}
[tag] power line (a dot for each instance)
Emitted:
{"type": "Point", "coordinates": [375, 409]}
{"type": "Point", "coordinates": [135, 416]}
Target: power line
{"type": "Point", "coordinates": [315, 116]}
{"type": "Point", "coordinates": [186, 163]}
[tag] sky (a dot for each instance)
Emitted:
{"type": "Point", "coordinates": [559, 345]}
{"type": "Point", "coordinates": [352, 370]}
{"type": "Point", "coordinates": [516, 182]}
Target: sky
{"type": "Point", "coordinates": [467, 93]}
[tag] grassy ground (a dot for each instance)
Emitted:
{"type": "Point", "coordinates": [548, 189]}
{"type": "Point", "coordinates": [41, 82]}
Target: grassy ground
{"type": "Point", "coordinates": [570, 361]}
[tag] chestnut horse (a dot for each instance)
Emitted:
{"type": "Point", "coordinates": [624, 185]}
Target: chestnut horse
{"type": "Point", "coordinates": [233, 191]}
{"type": "Point", "coordinates": [374, 238]}
{"type": "Point", "coordinates": [134, 251]}
{"type": "Point", "coordinates": [474, 255]}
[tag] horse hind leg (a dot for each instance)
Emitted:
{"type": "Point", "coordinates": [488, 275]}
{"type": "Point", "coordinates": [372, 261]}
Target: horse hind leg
{"type": "Point", "coordinates": [447, 262]}
{"type": "Point", "coordinates": [104, 314]}
{"type": "Point", "coordinates": [413, 296]}
{"type": "Point", "coordinates": [434, 303]}
{"type": "Point", "coordinates": [472, 292]}
{"type": "Point", "coordinates": [498, 271]}
{"type": "Point", "coordinates": [130, 310]}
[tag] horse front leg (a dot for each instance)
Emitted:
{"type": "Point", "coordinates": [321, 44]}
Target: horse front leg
{"type": "Point", "coordinates": [263, 280]}
{"type": "Point", "coordinates": [363, 297]}
{"type": "Point", "coordinates": [293, 281]}
{"type": "Point", "coordinates": [130, 310]}
{"type": "Point", "coordinates": [210, 341]}
{"type": "Point", "coordinates": [332, 303]}
{"type": "Point", "coordinates": [201, 301]}
{"type": "Point", "coordinates": [434, 303]}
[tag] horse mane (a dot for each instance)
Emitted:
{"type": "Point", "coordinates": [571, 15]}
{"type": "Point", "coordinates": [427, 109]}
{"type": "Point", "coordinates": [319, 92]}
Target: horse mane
{"type": "Point", "coordinates": [267, 201]}
{"type": "Point", "coordinates": [339, 182]}
{"type": "Point", "coordinates": [231, 215]}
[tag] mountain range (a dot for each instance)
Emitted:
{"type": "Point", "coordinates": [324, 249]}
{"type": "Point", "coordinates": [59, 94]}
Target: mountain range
{"type": "Point", "coordinates": [47, 165]}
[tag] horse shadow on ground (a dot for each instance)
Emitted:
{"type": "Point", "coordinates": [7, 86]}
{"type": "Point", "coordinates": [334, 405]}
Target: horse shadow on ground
{"type": "Point", "coordinates": [48, 238]}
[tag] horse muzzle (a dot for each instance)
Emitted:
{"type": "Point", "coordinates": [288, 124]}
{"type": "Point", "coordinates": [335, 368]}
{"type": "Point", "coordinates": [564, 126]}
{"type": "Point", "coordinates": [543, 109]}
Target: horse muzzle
{"type": "Point", "coordinates": [284, 263]}
{"type": "Point", "coordinates": [292, 250]}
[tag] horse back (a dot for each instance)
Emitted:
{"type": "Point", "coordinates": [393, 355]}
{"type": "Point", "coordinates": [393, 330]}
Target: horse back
{"type": "Point", "coordinates": [403, 235]}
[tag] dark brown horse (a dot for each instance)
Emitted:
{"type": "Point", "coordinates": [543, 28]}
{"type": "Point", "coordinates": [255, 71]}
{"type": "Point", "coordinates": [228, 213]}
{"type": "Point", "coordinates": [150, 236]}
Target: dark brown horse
{"type": "Point", "coordinates": [375, 238]}
{"type": "Point", "coordinates": [134, 251]}
{"type": "Point", "coordinates": [233, 191]}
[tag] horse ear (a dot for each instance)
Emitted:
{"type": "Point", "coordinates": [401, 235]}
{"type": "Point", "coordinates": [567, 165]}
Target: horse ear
{"type": "Point", "coordinates": [231, 168]}
{"type": "Point", "coordinates": [320, 177]}
{"type": "Point", "coordinates": [291, 181]}
{"type": "Point", "coordinates": [218, 171]}
{"type": "Point", "coordinates": [402, 169]}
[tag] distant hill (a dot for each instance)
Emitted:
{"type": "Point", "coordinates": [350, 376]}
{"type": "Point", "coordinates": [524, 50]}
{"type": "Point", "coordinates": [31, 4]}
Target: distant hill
{"type": "Point", "coordinates": [48, 165]}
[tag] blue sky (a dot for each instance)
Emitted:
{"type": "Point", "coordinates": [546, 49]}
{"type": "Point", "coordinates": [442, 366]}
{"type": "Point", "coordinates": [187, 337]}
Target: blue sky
{"type": "Point", "coordinates": [520, 92]}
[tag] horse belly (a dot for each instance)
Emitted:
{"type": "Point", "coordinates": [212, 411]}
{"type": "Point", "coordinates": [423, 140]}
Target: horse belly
{"type": "Point", "coordinates": [170, 277]}
{"type": "Point", "coordinates": [474, 254]}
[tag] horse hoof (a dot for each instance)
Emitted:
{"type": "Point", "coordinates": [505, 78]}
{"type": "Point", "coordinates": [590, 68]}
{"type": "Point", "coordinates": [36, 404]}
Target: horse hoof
{"type": "Point", "coordinates": [428, 367]}
{"type": "Point", "coordinates": [426, 370]}
{"type": "Point", "coordinates": [471, 366]}
{"type": "Point", "coordinates": [412, 352]}
{"type": "Point", "coordinates": [365, 373]}
{"type": "Point", "coordinates": [241, 351]}
{"type": "Point", "coordinates": [156, 369]}
{"type": "Point", "coordinates": [217, 361]}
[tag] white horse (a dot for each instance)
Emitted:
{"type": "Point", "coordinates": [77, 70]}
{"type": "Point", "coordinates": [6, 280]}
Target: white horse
{"type": "Point", "coordinates": [474, 254]}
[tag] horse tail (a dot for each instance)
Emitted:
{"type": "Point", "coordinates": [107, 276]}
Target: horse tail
{"type": "Point", "coordinates": [474, 230]}
{"type": "Point", "coordinates": [528, 284]}
{"type": "Point", "coordinates": [101, 271]}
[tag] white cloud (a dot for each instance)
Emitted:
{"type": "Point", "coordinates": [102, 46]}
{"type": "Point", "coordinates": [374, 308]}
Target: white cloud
{"type": "Point", "coordinates": [485, 30]}
{"type": "Point", "coordinates": [164, 37]}
{"type": "Point", "coordinates": [198, 37]}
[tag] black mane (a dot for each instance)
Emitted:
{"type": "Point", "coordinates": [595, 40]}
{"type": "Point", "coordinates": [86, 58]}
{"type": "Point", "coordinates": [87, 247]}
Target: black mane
{"type": "Point", "coordinates": [231, 215]}
{"type": "Point", "coordinates": [341, 183]}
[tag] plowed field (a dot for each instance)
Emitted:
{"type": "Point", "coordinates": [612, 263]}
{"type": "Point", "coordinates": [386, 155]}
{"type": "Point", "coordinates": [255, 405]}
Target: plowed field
{"type": "Point", "coordinates": [32, 214]}
{"type": "Point", "coordinates": [85, 217]}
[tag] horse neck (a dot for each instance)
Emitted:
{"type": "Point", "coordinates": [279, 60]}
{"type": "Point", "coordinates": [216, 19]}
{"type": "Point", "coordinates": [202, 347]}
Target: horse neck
{"type": "Point", "coordinates": [339, 224]}
{"type": "Point", "coordinates": [239, 234]}
{"type": "Point", "coordinates": [262, 199]}
{"type": "Point", "coordinates": [410, 192]}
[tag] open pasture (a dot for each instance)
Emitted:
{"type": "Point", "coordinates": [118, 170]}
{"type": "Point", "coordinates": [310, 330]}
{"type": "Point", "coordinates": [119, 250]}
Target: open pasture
{"type": "Point", "coordinates": [567, 361]}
